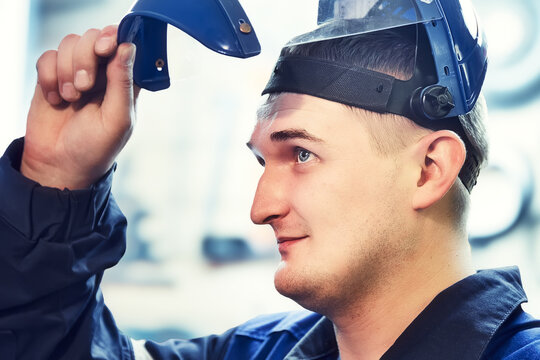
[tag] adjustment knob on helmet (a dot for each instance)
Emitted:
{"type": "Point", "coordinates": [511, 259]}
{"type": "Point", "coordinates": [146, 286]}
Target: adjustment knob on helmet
{"type": "Point", "coordinates": [436, 102]}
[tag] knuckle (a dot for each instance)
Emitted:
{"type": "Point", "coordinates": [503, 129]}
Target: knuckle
{"type": "Point", "coordinates": [45, 58]}
{"type": "Point", "coordinates": [109, 30]}
{"type": "Point", "coordinates": [92, 31]}
{"type": "Point", "coordinates": [46, 69]}
{"type": "Point", "coordinates": [72, 37]}
{"type": "Point", "coordinates": [68, 39]}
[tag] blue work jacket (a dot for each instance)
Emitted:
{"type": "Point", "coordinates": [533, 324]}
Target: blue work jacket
{"type": "Point", "coordinates": [55, 246]}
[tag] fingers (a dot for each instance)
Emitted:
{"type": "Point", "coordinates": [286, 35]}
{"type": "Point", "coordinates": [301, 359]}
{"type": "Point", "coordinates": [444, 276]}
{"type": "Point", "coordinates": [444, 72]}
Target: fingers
{"type": "Point", "coordinates": [47, 78]}
{"type": "Point", "coordinates": [72, 70]}
{"type": "Point", "coordinates": [64, 68]}
{"type": "Point", "coordinates": [85, 61]}
{"type": "Point", "coordinates": [105, 45]}
{"type": "Point", "coordinates": [119, 97]}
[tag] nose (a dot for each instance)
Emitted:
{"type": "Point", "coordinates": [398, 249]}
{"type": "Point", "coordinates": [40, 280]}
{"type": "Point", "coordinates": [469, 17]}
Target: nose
{"type": "Point", "coordinates": [270, 202]}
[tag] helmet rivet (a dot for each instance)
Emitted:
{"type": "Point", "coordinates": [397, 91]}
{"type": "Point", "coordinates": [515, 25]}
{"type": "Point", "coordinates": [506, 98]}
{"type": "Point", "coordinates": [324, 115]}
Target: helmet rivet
{"type": "Point", "coordinates": [245, 28]}
{"type": "Point", "coordinates": [160, 64]}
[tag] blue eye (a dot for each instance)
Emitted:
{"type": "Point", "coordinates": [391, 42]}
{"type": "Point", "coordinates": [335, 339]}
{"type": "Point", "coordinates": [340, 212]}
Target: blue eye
{"type": "Point", "coordinates": [303, 155]}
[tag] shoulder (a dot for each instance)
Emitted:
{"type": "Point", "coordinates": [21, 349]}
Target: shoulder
{"type": "Point", "coordinates": [517, 339]}
{"type": "Point", "coordinates": [267, 336]}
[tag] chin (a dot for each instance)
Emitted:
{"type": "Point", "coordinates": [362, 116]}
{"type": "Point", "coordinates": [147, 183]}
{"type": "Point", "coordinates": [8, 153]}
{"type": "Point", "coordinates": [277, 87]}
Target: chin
{"type": "Point", "coordinates": [301, 288]}
{"type": "Point", "coordinates": [329, 294]}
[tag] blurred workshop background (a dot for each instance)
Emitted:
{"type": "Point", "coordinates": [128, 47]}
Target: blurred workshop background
{"type": "Point", "coordinates": [195, 264]}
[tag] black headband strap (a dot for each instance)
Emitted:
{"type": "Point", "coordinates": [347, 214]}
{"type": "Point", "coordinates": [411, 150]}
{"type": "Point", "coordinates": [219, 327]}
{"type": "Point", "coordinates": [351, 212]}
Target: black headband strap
{"type": "Point", "coordinates": [332, 81]}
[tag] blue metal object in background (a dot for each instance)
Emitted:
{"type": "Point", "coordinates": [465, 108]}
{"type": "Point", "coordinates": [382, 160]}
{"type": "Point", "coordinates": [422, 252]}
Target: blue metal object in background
{"type": "Point", "coordinates": [221, 25]}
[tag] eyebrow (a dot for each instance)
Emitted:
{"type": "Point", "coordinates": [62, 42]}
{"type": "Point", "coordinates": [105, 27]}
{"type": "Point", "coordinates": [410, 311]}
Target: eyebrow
{"type": "Point", "coordinates": [290, 134]}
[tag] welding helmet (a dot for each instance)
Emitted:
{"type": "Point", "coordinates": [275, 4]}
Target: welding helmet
{"type": "Point", "coordinates": [220, 25]}
{"type": "Point", "coordinates": [450, 66]}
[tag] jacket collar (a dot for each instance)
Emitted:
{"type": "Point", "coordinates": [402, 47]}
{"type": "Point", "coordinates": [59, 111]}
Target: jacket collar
{"type": "Point", "coordinates": [457, 324]}
{"type": "Point", "coordinates": [318, 343]}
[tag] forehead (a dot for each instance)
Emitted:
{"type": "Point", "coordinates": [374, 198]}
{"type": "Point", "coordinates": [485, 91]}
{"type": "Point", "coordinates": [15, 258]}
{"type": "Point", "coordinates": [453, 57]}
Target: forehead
{"type": "Point", "coordinates": [321, 118]}
{"type": "Point", "coordinates": [276, 103]}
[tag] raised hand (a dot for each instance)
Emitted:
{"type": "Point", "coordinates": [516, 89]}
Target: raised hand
{"type": "Point", "coordinates": [83, 110]}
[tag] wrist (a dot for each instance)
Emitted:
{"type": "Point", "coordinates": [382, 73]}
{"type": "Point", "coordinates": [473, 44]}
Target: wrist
{"type": "Point", "coordinates": [52, 176]}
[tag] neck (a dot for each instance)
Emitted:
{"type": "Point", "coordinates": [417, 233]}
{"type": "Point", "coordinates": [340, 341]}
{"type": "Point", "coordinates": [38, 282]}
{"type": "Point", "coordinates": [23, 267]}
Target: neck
{"type": "Point", "coordinates": [369, 327]}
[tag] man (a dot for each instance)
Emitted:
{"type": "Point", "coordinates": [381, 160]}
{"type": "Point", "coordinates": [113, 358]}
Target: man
{"type": "Point", "coordinates": [368, 209]}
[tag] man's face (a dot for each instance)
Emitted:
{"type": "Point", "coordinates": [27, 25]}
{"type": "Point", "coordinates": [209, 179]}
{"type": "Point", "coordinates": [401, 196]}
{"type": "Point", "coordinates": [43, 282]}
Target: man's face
{"type": "Point", "coordinates": [335, 205]}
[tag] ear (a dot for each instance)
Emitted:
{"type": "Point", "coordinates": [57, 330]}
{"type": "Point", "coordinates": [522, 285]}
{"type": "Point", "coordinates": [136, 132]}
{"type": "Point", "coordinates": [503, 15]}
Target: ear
{"type": "Point", "coordinates": [439, 156]}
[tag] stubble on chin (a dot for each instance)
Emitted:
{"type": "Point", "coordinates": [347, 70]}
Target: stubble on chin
{"type": "Point", "coordinates": [322, 292]}
{"type": "Point", "coordinates": [335, 294]}
{"type": "Point", "coordinates": [300, 285]}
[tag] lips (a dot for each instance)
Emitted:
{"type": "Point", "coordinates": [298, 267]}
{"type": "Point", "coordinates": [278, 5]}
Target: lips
{"type": "Point", "coordinates": [283, 239]}
{"type": "Point", "coordinates": [286, 242]}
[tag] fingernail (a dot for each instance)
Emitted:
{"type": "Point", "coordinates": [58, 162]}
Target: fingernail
{"type": "Point", "coordinates": [104, 44]}
{"type": "Point", "coordinates": [54, 98]}
{"type": "Point", "coordinates": [69, 92]}
{"type": "Point", "coordinates": [82, 80]}
{"type": "Point", "coordinates": [128, 54]}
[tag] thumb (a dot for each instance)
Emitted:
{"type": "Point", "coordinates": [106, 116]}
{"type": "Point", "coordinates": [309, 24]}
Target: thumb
{"type": "Point", "coordinates": [117, 106]}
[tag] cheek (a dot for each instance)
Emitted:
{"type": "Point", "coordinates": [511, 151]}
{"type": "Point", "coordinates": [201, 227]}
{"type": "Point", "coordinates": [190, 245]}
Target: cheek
{"type": "Point", "coordinates": [350, 188]}
{"type": "Point", "coordinates": [329, 205]}
{"type": "Point", "coordinates": [346, 199]}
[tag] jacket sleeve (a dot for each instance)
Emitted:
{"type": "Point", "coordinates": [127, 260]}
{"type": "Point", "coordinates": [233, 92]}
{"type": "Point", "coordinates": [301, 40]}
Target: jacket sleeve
{"type": "Point", "coordinates": [54, 247]}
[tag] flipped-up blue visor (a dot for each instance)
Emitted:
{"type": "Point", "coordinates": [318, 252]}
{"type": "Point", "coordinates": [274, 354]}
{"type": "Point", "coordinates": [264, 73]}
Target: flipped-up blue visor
{"type": "Point", "coordinates": [220, 25]}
